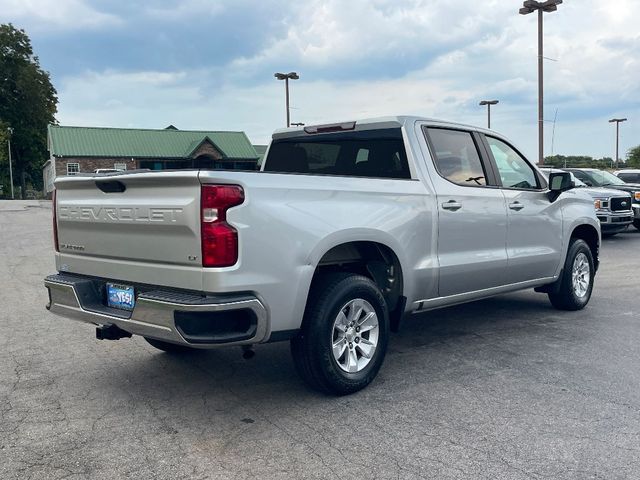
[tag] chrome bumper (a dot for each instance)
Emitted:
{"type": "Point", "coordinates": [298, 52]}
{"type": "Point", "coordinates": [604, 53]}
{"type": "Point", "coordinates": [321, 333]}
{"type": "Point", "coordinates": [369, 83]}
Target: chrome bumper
{"type": "Point", "coordinates": [154, 314]}
{"type": "Point", "coordinates": [614, 218]}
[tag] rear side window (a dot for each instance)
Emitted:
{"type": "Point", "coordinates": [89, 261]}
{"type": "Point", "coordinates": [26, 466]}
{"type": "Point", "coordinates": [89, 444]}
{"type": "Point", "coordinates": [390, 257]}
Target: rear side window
{"type": "Point", "coordinates": [456, 157]}
{"type": "Point", "coordinates": [369, 153]}
{"type": "Point", "coordinates": [629, 177]}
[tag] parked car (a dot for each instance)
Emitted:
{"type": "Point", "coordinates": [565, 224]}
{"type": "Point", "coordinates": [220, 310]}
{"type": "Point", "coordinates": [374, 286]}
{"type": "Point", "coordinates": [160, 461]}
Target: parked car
{"type": "Point", "coordinates": [629, 175]}
{"type": "Point", "coordinates": [601, 178]}
{"type": "Point", "coordinates": [346, 228]}
{"type": "Point", "coordinates": [613, 207]}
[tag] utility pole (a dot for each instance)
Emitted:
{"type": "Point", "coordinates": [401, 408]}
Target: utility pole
{"type": "Point", "coordinates": [10, 130]}
{"type": "Point", "coordinates": [286, 77]}
{"type": "Point", "coordinates": [530, 6]}
{"type": "Point", "coordinates": [617, 121]}
{"type": "Point", "coordinates": [488, 103]}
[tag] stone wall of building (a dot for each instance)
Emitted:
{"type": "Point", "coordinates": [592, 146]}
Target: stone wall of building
{"type": "Point", "coordinates": [207, 149]}
{"type": "Point", "coordinates": [89, 165]}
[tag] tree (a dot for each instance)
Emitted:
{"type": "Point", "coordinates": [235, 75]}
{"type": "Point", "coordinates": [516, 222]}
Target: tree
{"type": "Point", "coordinates": [561, 161]}
{"type": "Point", "coordinates": [28, 103]}
{"type": "Point", "coordinates": [633, 157]}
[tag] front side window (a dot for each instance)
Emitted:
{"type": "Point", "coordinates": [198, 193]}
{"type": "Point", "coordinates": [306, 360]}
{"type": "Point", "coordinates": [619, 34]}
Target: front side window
{"type": "Point", "coordinates": [456, 157]}
{"type": "Point", "coordinates": [602, 178]}
{"type": "Point", "coordinates": [73, 168]}
{"type": "Point", "coordinates": [513, 169]}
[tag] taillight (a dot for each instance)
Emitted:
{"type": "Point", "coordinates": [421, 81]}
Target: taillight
{"type": "Point", "coordinates": [219, 239]}
{"type": "Point", "coordinates": [54, 206]}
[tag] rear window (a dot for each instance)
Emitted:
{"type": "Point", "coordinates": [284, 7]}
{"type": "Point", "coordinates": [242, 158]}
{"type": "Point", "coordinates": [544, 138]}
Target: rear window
{"type": "Point", "coordinates": [370, 153]}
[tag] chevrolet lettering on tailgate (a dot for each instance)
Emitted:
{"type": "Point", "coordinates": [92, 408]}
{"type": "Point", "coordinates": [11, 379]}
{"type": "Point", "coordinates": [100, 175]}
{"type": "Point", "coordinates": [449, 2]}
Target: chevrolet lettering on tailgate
{"type": "Point", "coordinates": [120, 214]}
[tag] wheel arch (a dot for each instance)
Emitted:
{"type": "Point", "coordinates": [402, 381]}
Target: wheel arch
{"type": "Point", "coordinates": [590, 235]}
{"type": "Point", "coordinates": [371, 258]}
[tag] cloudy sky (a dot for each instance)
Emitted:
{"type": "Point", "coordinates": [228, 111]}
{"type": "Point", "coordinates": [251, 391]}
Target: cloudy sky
{"type": "Point", "coordinates": [209, 64]}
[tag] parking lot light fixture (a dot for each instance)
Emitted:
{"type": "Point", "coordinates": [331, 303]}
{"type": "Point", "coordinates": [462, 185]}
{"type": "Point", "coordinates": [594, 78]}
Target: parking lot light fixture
{"type": "Point", "coordinates": [286, 77]}
{"type": "Point", "coordinates": [488, 103]}
{"type": "Point", "coordinates": [10, 132]}
{"type": "Point", "coordinates": [617, 121]}
{"type": "Point", "coordinates": [530, 6]}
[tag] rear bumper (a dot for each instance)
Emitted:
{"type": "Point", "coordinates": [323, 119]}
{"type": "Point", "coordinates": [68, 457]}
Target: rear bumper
{"type": "Point", "coordinates": [196, 320]}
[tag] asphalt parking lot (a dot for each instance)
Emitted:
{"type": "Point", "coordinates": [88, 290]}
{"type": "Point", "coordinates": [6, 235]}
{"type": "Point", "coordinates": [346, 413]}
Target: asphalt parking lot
{"type": "Point", "coordinates": [504, 388]}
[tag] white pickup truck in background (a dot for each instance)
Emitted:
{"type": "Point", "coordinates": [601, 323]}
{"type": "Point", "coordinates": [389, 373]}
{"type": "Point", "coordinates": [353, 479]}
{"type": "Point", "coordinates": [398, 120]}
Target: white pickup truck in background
{"type": "Point", "coordinates": [346, 228]}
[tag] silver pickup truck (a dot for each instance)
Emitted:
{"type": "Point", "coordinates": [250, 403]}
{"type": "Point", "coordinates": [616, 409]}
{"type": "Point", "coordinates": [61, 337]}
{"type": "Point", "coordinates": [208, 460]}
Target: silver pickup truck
{"type": "Point", "coordinates": [346, 228]}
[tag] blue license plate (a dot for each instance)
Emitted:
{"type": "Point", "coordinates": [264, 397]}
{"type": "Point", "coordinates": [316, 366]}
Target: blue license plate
{"type": "Point", "coordinates": [120, 296]}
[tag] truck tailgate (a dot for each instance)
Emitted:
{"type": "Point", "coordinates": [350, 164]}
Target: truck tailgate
{"type": "Point", "coordinates": [136, 227]}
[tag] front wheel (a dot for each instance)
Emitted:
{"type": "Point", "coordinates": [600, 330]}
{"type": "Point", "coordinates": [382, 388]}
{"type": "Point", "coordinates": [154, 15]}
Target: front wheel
{"type": "Point", "coordinates": [636, 223]}
{"type": "Point", "coordinates": [344, 334]}
{"type": "Point", "coordinates": [576, 282]}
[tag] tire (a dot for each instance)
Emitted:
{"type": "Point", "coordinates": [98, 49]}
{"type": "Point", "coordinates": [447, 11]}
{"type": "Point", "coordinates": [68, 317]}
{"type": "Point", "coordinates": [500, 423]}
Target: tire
{"type": "Point", "coordinates": [574, 293]}
{"type": "Point", "coordinates": [339, 308]}
{"type": "Point", "coordinates": [169, 347]}
{"type": "Point", "coordinates": [636, 223]}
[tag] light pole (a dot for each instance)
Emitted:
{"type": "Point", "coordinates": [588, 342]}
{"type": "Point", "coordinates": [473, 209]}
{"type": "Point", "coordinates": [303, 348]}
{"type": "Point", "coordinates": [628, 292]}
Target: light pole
{"type": "Point", "coordinates": [10, 131]}
{"type": "Point", "coordinates": [286, 77]}
{"type": "Point", "coordinates": [617, 121]}
{"type": "Point", "coordinates": [488, 103]}
{"type": "Point", "coordinates": [530, 6]}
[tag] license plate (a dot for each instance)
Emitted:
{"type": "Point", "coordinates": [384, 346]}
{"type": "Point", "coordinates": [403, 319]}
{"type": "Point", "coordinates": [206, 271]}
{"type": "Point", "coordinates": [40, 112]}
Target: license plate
{"type": "Point", "coordinates": [120, 296]}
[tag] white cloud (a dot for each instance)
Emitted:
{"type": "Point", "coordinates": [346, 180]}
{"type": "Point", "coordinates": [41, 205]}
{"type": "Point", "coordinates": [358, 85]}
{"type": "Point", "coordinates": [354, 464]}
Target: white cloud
{"type": "Point", "coordinates": [331, 32]}
{"type": "Point", "coordinates": [57, 14]}
{"type": "Point", "coordinates": [463, 52]}
{"type": "Point", "coordinates": [154, 100]}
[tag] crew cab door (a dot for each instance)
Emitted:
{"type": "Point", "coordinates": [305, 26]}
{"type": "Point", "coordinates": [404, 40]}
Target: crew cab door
{"type": "Point", "coordinates": [534, 231]}
{"type": "Point", "coordinates": [472, 218]}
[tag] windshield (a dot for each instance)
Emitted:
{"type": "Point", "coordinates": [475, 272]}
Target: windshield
{"type": "Point", "coordinates": [601, 178]}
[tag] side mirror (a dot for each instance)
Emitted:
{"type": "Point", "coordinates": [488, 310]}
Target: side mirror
{"type": "Point", "coordinates": [559, 182]}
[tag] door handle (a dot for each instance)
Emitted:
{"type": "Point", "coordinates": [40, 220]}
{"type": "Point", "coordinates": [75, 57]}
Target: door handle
{"type": "Point", "coordinates": [452, 205]}
{"type": "Point", "coordinates": [516, 206]}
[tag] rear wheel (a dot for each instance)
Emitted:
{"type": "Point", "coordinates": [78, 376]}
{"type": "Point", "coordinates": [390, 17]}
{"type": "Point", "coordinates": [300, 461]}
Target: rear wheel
{"type": "Point", "coordinates": [344, 335]}
{"type": "Point", "coordinates": [576, 283]}
{"type": "Point", "coordinates": [168, 347]}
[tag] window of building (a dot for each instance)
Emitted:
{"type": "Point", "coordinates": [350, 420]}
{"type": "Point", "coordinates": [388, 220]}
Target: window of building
{"type": "Point", "coordinates": [457, 158]}
{"type": "Point", "coordinates": [73, 168]}
{"type": "Point", "coordinates": [120, 166]}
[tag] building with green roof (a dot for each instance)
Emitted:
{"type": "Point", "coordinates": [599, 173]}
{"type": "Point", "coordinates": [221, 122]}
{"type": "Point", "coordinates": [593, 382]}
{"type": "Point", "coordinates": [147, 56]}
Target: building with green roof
{"type": "Point", "coordinates": [86, 149]}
